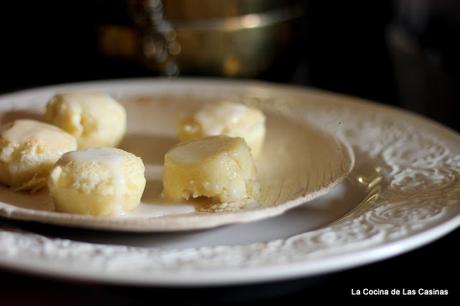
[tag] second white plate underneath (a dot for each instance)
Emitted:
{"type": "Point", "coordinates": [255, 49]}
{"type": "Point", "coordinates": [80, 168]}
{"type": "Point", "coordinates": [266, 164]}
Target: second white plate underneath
{"type": "Point", "coordinates": [403, 192]}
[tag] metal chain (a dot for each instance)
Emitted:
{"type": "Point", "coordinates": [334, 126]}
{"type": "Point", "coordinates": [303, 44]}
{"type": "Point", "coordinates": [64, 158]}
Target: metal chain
{"type": "Point", "coordinates": [159, 43]}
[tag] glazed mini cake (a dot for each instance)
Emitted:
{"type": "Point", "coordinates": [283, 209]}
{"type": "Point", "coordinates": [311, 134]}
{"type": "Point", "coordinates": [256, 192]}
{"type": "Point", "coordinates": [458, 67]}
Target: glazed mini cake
{"type": "Point", "coordinates": [217, 167]}
{"type": "Point", "coordinates": [94, 119]}
{"type": "Point", "coordinates": [225, 118]}
{"type": "Point", "coordinates": [28, 151]}
{"type": "Point", "coordinates": [97, 181]}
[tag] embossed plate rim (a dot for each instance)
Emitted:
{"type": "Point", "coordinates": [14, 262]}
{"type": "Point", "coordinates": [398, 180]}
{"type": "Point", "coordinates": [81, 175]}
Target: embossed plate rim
{"type": "Point", "coordinates": [257, 275]}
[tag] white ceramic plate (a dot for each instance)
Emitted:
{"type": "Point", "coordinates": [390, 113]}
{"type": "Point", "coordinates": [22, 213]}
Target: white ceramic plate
{"type": "Point", "coordinates": [403, 192]}
{"type": "Point", "coordinates": [298, 163]}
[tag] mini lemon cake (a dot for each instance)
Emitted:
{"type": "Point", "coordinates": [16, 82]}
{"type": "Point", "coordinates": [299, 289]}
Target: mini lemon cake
{"type": "Point", "coordinates": [218, 167]}
{"type": "Point", "coordinates": [97, 181]}
{"type": "Point", "coordinates": [28, 151]}
{"type": "Point", "coordinates": [95, 119]}
{"type": "Point", "coordinates": [225, 118]}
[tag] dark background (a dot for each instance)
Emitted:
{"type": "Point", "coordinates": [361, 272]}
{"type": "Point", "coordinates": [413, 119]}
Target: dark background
{"type": "Point", "coordinates": [403, 53]}
{"type": "Point", "coordinates": [341, 46]}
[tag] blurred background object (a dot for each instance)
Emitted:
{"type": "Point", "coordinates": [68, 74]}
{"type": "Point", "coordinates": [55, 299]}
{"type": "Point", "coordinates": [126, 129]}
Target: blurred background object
{"type": "Point", "coordinates": [237, 38]}
{"type": "Point", "coordinates": [425, 47]}
{"type": "Point", "coordinates": [402, 52]}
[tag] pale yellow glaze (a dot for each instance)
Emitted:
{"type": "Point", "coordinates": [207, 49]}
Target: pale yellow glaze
{"type": "Point", "coordinates": [95, 119]}
{"type": "Point", "coordinates": [225, 118]}
{"type": "Point", "coordinates": [97, 181]}
{"type": "Point", "coordinates": [28, 151]}
{"type": "Point", "coordinates": [218, 167]}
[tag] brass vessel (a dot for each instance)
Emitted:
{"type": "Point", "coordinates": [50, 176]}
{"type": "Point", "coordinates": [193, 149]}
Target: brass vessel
{"type": "Point", "coordinates": [239, 38]}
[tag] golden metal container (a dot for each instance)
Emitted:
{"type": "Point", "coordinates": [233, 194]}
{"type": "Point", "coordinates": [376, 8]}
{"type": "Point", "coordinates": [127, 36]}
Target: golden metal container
{"type": "Point", "coordinates": [238, 38]}
{"type": "Point", "coordinates": [213, 9]}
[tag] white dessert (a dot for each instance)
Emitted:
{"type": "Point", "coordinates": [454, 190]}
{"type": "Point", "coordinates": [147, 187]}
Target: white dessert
{"type": "Point", "coordinates": [218, 167]}
{"type": "Point", "coordinates": [95, 119]}
{"type": "Point", "coordinates": [28, 151]}
{"type": "Point", "coordinates": [97, 181]}
{"type": "Point", "coordinates": [225, 118]}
